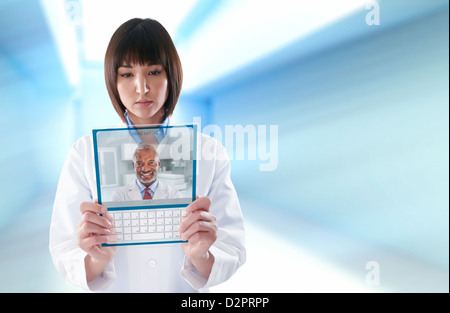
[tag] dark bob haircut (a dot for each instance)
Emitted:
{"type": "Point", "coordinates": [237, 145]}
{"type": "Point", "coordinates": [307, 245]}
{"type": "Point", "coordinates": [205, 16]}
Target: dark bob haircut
{"type": "Point", "coordinates": [143, 41]}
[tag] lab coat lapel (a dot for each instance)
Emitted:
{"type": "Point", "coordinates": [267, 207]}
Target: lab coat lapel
{"type": "Point", "coordinates": [133, 191]}
{"type": "Point", "coordinates": [160, 191]}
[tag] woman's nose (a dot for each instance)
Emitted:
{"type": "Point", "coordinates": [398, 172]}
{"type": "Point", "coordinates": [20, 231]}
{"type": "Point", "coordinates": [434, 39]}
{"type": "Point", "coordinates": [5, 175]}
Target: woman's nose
{"type": "Point", "coordinates": [141, 85]}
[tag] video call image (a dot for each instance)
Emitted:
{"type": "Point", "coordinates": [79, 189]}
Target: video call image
{"type": "Point", "coordinates": [146, 166]}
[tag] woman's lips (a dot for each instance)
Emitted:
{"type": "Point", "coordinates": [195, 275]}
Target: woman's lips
{"type": "Point", "coordinates": [144, 102]}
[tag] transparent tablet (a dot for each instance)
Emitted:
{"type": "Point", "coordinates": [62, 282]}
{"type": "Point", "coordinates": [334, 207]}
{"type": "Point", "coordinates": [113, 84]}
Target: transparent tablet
{"type": "Point", "coordinates": [145, 176]}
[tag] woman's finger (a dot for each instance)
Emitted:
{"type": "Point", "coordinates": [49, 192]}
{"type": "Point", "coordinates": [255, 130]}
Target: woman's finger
{"type": "Point", "coordinates": [88, 229]}
{"type": "Point", "coordinates": [201, 203]}
{"type": "Point", "coordinates": [88, 243]}
{"type": "Point", "coordinates": [199, 227]}
{"type": "Point", "coordinates": [93, 207]}
{"type": "Point", "coordinates": [103, 221]}
{"type": "Point", "coordinates": [191, 218]}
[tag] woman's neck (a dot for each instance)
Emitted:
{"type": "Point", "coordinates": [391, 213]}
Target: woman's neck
{"type": "Point", "coordinates": [147, 136]}
{"type": "Point", "coordinates": [156, 119]}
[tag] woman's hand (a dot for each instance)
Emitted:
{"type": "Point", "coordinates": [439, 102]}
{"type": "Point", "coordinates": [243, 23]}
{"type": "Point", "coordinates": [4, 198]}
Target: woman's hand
{"type": "Point", "coordinates": [92, 231]}
{"type": "Point", "coordinates": [199, 227]}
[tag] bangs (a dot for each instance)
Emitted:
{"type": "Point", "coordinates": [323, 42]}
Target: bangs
{"type": "Point", "coordinates": [140, 47]}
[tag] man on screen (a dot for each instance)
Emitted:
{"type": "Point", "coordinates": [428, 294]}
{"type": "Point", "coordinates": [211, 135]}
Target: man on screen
{"type": "Point", "coordinates": [146, 186]}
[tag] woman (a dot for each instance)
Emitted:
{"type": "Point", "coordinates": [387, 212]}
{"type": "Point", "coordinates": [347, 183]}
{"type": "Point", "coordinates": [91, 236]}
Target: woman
{"type": "Point", "coordinates": [144, 77]}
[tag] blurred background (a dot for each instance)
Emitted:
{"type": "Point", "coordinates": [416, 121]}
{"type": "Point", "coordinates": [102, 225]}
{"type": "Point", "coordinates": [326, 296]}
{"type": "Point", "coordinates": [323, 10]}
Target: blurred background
{"type": "Point", "coordinates": [358, 200]}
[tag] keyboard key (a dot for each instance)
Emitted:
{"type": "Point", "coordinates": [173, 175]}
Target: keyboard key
{"type": "Point", "coordinates": [117, 230]}
{"type": "Point", "coordinates": [148, 236]}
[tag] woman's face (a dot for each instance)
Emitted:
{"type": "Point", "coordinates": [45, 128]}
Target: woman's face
{"type": "Point", "coordinates": [143, 90]}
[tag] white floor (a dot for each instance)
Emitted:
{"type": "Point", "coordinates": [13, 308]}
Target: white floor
{"type": "Point", "coordinates": [299, 256]}
{"type": "Point", "coordinates": [322, 262]}
{"type": "Point", "coordinates": [275, 265]}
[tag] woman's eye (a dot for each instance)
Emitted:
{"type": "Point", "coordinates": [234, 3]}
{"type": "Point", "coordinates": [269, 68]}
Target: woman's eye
{"type": "Point", "coordinates": [125, 75]}
{"type": "Point", "coordinates": [154, 73]}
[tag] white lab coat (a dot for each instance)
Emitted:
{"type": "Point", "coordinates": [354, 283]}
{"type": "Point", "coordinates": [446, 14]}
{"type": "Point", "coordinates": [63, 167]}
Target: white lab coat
{"type": "Point", "coordinates": [147, 268]}
{"type": "Point", "coordinates": [131, 192]}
